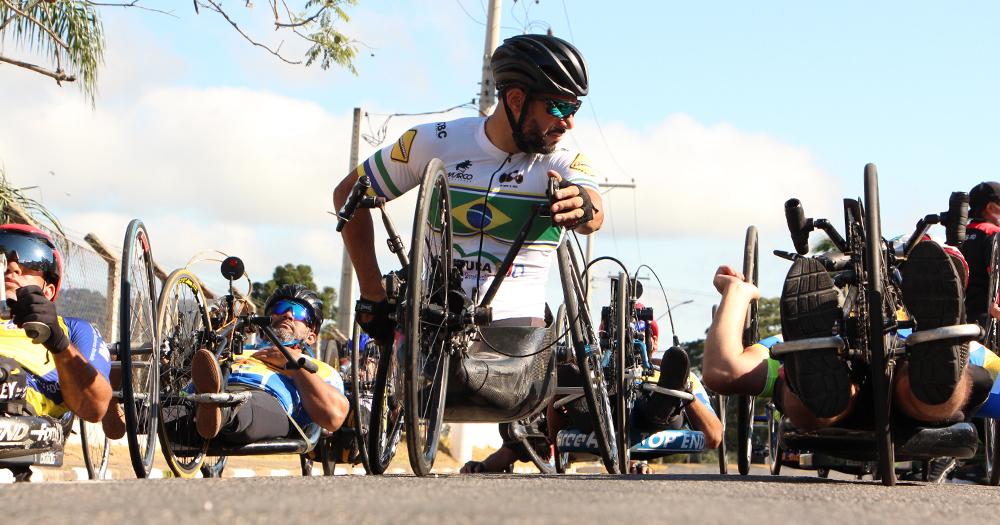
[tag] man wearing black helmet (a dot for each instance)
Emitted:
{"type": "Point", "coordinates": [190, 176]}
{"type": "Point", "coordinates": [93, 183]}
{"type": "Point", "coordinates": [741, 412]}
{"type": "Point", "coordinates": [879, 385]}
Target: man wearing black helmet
{"type": "Point", "coordinates": [498, 170]}
{"type": "Point", "coordinates": [984, 223]}
{"type": "Point", "coordinates": [278, 396]}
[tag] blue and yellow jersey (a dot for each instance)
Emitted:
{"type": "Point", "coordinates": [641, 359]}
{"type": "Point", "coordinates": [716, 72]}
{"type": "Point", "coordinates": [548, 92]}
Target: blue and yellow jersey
{"type": "Point", "coordinates": [43, 393]}
{"type": "Point", "coordinates": [250, 372]}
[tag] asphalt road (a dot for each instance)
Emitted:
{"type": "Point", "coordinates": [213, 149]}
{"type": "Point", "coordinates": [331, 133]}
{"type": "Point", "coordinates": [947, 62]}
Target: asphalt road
{"type": "Point", "coordinates": [669, 498]}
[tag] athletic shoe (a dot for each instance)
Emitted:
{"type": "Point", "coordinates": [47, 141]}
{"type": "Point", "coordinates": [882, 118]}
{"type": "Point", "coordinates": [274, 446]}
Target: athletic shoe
{"type": "Point", "coordinates": [939, 468]}
{"type": "Point", "coordinates": [810, 307]}
{"type": "Point", "coordinates": [207, 379]}
{"type": "Point", "coordinates": [932, 293]}
{"type": "Point", "coordinates": [675, 368]}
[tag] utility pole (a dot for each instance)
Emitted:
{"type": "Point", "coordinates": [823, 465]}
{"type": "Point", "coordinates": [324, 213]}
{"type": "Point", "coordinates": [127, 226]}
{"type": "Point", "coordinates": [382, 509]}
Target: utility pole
{"type": "Point", "coordinates": [347, 269]}
{"type": "Point", "coordinates": [487, 90]}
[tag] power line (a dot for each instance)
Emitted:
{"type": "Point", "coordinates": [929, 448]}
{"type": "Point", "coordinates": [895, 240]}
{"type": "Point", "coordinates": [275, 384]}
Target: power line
{"type": "Point", "coordinates": [375, 138]}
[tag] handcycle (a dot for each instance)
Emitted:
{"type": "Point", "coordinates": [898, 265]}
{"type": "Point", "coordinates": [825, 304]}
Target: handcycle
{"type": "Point", "coordinates": [990, 425]}
{"type": "Point", "coordinates": [631, 370]}
{"type": "Point", "coordinates": [866, 270]}
{"type": "Point", "coordinates": [39, 440]}
{"type": "Point", "coordinates": [186, 323]}
{"type": "Point", "coordinates": [417, 381]}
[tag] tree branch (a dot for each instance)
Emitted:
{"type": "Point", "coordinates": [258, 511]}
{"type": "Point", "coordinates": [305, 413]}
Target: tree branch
{"type": "Point", "coordinates": [35, 21]}
{"type": "Point", "coordinates": [58, 75]}
{"type": "Point", "coordinates": [213, 5]}
{"type": "Point", "coordinates": [11, 17]}
{"type": "Point", "coordinates": [133, 3]}
{"type": "Point", "coordinates": [278, 23]}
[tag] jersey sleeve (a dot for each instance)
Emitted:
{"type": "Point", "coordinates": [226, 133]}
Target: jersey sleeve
{"type": "Point", "coordinates": [329, 375]}
{"type": "Point", "coordinates": [577, 168]}
{"type": "Point", "coordinates": [396, 168]}
{"type": "Point", "coordinates": [88, 341]}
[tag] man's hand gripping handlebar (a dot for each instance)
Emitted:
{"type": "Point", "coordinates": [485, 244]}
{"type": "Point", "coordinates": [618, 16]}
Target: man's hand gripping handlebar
{"type": "Point", "coordinates": [358, 197]}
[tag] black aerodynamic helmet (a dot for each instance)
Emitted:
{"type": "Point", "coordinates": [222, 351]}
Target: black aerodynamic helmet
{"type": "Point", "coordinates": [301, 294]}
{"type": "Point", "coordinates": [540, 63]}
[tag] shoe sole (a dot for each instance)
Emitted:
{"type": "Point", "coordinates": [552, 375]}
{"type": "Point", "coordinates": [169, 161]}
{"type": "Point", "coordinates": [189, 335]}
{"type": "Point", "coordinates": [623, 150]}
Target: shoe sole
{"type": "Point", "coordinates": [207, 379]}
{"type": "Point", "coordinates": [810, 308]}
{"type": "Point", "coordinates": [932, 292]}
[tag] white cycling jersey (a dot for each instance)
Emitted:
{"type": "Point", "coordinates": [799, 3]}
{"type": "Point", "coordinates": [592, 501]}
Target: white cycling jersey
{"type": "Point", "coordinates": [492, 195]}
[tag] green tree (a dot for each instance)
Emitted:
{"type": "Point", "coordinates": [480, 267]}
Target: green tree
{"type": "Point", "coordinates": [69, 36]}
{"type": "Point", "coordinates": [295, 274]}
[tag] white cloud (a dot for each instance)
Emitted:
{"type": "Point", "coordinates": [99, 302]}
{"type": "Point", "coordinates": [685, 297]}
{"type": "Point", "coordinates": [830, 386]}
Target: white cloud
{"type": "Point", "coordinates": [694, 179]}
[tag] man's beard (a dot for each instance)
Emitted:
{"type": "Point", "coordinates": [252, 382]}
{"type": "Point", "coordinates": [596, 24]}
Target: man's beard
{"type": "Point", "coordinates": [533, 140]}
{"type": "Point", "coordinates": [284, 333]}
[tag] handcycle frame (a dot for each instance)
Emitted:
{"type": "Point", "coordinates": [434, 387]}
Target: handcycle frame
{"type": "Point", "coordinates": [457, 323]}
{"type": "Point", "coordinates": [872, 300]}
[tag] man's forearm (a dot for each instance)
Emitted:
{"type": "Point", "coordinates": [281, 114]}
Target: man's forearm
{"type": "Point", "coordinates": [701, 418]}
{"type": "Point", "coordinates": [85, 391]}
{"type": "Point", "coordinates": [359, 241]}
{"type": "Point", "coordinates": [324, 404]}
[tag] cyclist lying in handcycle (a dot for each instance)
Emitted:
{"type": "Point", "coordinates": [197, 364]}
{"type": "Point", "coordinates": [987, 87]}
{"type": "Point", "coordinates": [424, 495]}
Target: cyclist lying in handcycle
{"type": "Point", "coordinates": [49, 364]}
{"type": "Point", "coordinates": [280, 398]}
{"type": "Point", "coordinates": [819, 389]}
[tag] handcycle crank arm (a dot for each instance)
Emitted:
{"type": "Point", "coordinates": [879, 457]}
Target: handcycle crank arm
{"type": "Point", "coordinates": [680, 394]}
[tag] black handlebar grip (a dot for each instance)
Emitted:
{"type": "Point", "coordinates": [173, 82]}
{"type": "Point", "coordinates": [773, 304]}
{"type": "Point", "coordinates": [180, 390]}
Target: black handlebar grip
{"type": "Point", "coordinates": [357, 193]}
{"type": "Point", "coordinates": [308, 365]}
{"type": "Point", "coordinates": [958, 217]}
{"type": "Point", "coordinates": [797, 225]}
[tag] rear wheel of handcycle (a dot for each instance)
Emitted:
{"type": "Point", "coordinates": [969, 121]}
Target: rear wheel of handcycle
{"type": "Point", "coordinates": [182, 325]}
{"type": "Point", "coordinates": [751, 334]}
{"type": "Point", "coordinates": [138, 348]}
{"type": "Point", "coordinates": [96, 449]}
{"type": "Point", "coordinates": [322, 455]}
{"type": "Point", "coordinates": [719, 405]}
{"type": "Point", "coordinates": [589, 357]}
{"type": "Point", "coordinates": [991, 452]}
{"type": "Point", "coordinates": [427, 338]}
{"type": "Point", "coordinates": [624, 396]}
{"type": "Point", "coordinates": [385, 426]}
{"type": "Point", "coordinates": [363, 370]}
{"type": "Point", "coordinates": [878, 346]}
{"type": "Point", "coordinates": [550, 464]}
{"type": "Point", "coordinates": [774, 450]}
{"type": "Point", "coordinates": [212, 466]}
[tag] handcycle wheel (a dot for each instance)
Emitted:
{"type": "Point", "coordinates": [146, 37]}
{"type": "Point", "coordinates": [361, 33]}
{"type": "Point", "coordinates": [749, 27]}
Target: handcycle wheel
{"type": "Point", "coordinates": [138, 348]}
{"type": "Point", "coordinates": [427, 339]}
{"type": "Point", "coordinates": [385, 427]}
{"type": "Point", "coordinates": [993, 293]}
{"type": "Point", "coordinates": [719, 404]}
{"type": "Point", "coordinates": [991, 450]}
{"type": "Point", "coordinates": [751, 334]}
{"type": "Point", "coordinates": [96, 449]}
{"type": "Point", "coordinates": [182, 322]}
{"type": "Point", "coordinates": [621, 346]}
{"type": "Point", "coordinates": [589, 357]}
{"type": "Point", "coordinates": [545, 465]}
{"type": "Point", "coordinates": [361, 392]}
{"type": "Point", "coordinates": [876, 337]}
{"type": "Point", "coordinates": [323, 454]}
{"type": "Point", "coordinates": [774, 450]}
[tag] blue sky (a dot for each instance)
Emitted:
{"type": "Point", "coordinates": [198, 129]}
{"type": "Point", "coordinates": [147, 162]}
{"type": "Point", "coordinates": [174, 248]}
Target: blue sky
{"type": "Point", "coordinates": [719, 110]}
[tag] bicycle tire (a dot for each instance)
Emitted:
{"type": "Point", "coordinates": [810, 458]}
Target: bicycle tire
{"type": "Point", "coordinates": [96, 448]}
{"type": "Point", "coordinates": [358, 393]}
{"type": "Point", "coordinates": [874, 325]}
{"type": "Point", "coordinates": [138, 348]}
{"type": "Point", "coordinates": [385, 427]}
{"type": "Point", "coordinates": [992, 294]}
{"type": "Point", "coordinates": [182, 322]}
{"type": "Point", "coordinates": [585, 341]}
{"type": "Point", "coordinates": [751, 334]}
{"type": "Point", "coordinates": [427, 352]}
{"type": "Point", "coordinates": [720, 409]}
{"type": "Point", "coordinates": [774, 449]}
{"type": "Point", "coordinates": [991, 450]}
{"type": "Point", "coordinates": [624, 391]}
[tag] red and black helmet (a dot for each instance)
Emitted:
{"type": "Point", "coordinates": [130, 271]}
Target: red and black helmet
{"type": "Point", "coordinates": [35, 249]}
